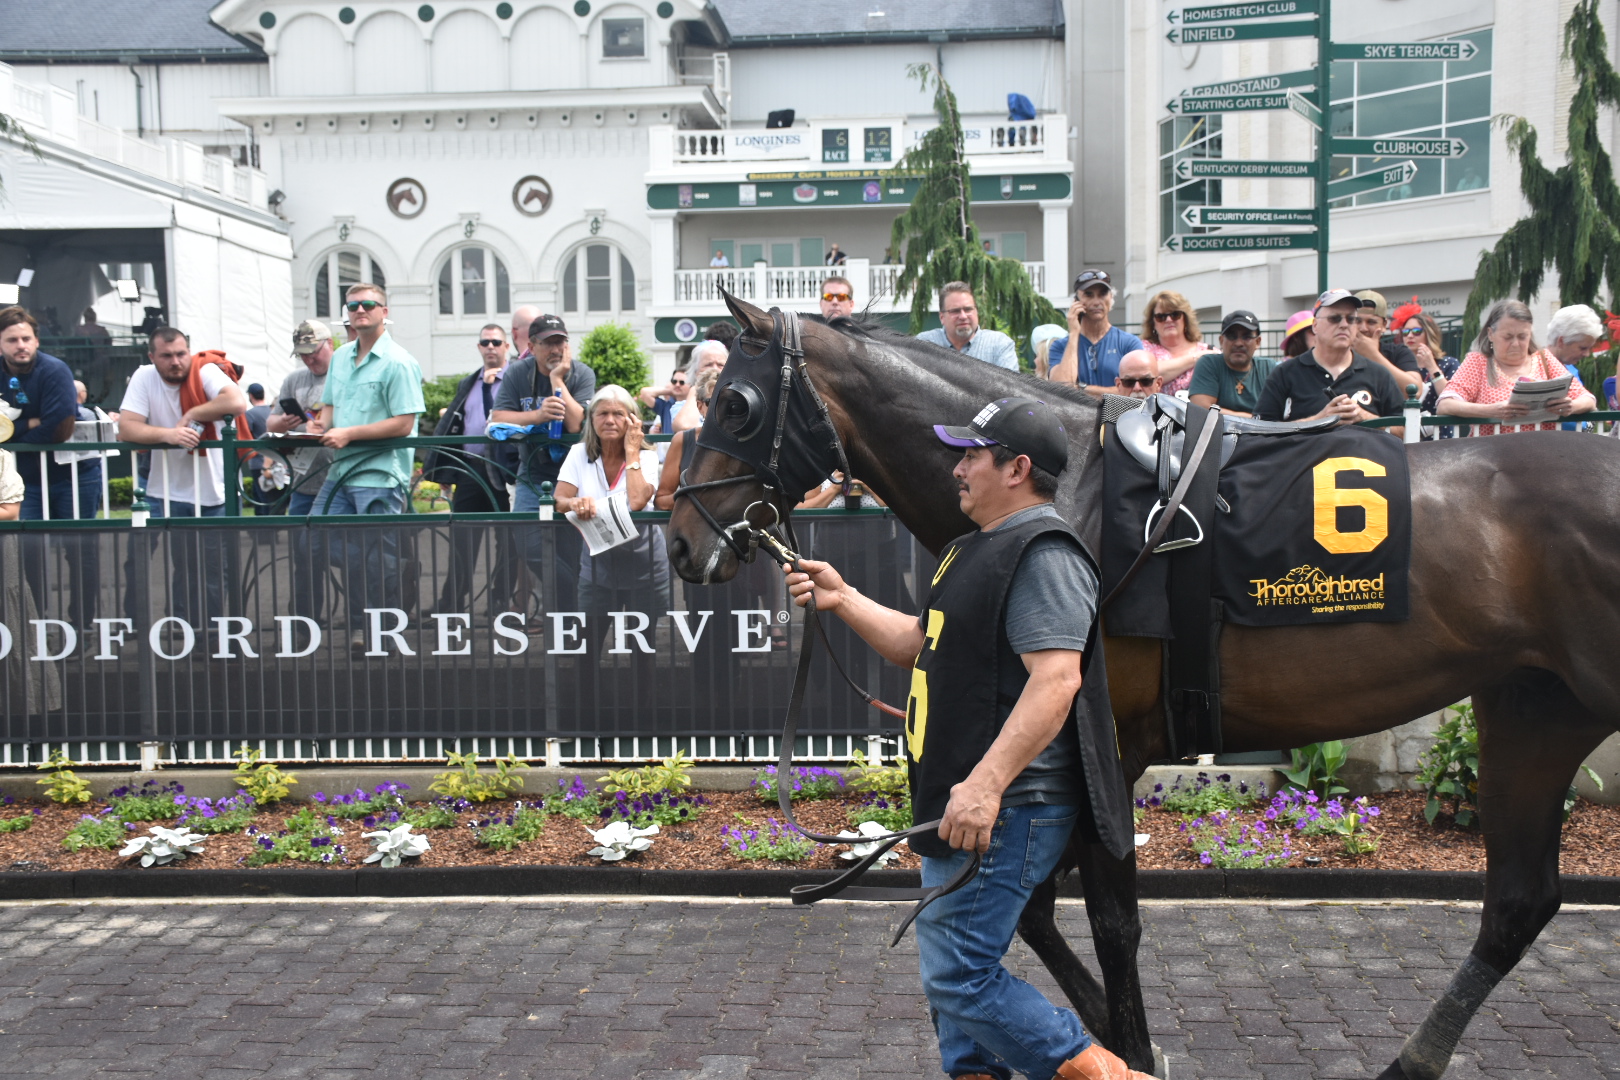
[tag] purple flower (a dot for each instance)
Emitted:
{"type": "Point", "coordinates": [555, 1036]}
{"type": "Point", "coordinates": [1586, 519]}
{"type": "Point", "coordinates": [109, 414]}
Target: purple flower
{"type": "Point", "coordinates": [319, 796]}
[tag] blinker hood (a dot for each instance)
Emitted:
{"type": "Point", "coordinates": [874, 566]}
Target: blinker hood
{"type": "Point", "coordinates": [746, 417]}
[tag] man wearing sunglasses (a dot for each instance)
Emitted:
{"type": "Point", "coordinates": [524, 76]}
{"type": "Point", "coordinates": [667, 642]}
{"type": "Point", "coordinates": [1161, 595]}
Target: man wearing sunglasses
{"type": "Point", "coordinates": [668, 401]}
{"type": "Point", "coordinates": [837, 298]}
{"type": "Point", "coordinates": [1138, 375]}
{"type": "Point", "coordinates": [1331, 379]}
{"type": "Point", "coordinates": [373, 391]}
{"type": "Point", "coordinates": [1089, 354]}
{"type": "Point", "coordinates": [1234, 377]}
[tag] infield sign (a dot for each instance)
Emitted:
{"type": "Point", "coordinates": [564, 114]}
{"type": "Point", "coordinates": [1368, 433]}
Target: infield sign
{"type": "Point", "coordinates": [1222, 33]}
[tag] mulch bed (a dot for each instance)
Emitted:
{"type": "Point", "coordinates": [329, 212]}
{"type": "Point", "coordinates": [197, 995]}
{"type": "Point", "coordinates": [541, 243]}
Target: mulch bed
{"type": "Point", "coordinates": [1405, 841]}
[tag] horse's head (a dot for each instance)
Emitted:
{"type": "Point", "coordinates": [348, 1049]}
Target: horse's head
{"type": "Point", "coordinates": [768, 439]}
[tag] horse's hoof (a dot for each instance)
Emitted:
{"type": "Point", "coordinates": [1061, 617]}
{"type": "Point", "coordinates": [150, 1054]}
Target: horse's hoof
{"type": "Point", "coordinates": [1161, 1067]}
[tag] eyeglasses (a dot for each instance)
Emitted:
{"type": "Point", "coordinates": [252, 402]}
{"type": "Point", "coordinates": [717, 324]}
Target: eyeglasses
{"type": "Point", "coordinates": [834, 297]}
{"type": "Point", "coordinates": [1335, 320]}
{"type": "Point", "coordinates": [356, 305]}
{"type": "Point", "coordinates": [1144, 382]}
{"type": "Point", "coordinates": [677, 382]}
{"type": "Point", "coordinates": [1166, 316]}
{"type": "Point", "coordinates": [1238, 335]}
{"type": "Point", "coordinates": [969, 310]}
{"type": "Point", "coordinates": [1091, 277]}
{"type": "Point", "coordinates": [489, 342]}
{"type": "Point", "coordinates": [1412, 331]}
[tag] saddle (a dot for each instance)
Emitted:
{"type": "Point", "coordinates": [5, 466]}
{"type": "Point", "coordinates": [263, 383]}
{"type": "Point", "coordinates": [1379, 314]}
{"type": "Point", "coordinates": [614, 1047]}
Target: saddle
{"type": "Point", "coordinates": [1164, 434]}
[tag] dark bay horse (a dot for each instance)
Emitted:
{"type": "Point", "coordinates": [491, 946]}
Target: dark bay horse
{"type": "Point", "coordinates": [1513, 542]}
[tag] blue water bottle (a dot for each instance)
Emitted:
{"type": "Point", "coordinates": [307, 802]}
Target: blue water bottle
{"type": "Point", "coordinates": [554, 431]}
{"type": "Point", "coordinates": [554, 428]}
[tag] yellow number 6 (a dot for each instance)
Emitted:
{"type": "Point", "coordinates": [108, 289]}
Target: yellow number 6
{"type": "Point", "coordinates": [1330, 496]}
{"type": "Point", "coordinates": [917, 707]}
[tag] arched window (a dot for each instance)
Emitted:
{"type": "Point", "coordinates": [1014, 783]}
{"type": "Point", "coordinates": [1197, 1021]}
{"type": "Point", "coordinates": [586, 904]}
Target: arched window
{"type": "Point", "coordinates": [337, 272]}
{"type": "Point", "coordinates": [602, 277]}
{"type": "Point", "coordinates": [473, 281]}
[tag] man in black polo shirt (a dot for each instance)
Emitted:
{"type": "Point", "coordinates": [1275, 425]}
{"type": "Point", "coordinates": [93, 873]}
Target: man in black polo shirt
{"type": "Point", "coordinates": [1331, 379]}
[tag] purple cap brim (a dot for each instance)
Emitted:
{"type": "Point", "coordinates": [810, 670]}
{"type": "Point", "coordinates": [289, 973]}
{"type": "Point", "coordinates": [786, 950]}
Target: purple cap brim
{"type": "Point", "coordinates": [961, 436]}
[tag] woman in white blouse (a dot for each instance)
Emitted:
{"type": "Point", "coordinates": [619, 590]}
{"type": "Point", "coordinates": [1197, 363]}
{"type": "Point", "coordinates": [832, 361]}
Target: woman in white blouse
{"type": "Point", "coordinates": [613, 458]}
{"type": "Point", "coordinates": [11, 487]}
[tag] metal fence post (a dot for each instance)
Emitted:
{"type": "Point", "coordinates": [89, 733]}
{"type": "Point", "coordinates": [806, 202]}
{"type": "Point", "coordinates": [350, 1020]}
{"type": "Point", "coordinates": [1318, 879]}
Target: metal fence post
{"type": "Point", "coordinates": [1414, 415]}
{"type": "Point", "coordinates": [229, 469]}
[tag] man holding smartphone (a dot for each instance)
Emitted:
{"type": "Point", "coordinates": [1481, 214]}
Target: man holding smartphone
{"type": "Point", "coordinates": [1089, 355]}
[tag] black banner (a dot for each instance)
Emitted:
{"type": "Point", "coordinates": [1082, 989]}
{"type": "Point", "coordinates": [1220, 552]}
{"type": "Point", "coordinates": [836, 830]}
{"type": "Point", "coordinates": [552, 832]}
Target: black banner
{"type": "Point", "coordinates": [263, 628]}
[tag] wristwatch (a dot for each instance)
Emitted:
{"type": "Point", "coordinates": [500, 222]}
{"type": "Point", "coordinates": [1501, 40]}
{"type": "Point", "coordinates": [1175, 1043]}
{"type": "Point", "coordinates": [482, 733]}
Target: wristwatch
{"type": "Point", "coordinates": [636, 466]}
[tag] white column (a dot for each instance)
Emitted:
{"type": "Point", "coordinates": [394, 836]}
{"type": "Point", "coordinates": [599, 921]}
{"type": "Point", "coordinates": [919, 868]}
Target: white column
{"type": "Point", "coordinates": [664, 256]}
{"type": "Point", "coordinates": [859, 272]}
{"type": "Point", "coordinates": [1055, 247]}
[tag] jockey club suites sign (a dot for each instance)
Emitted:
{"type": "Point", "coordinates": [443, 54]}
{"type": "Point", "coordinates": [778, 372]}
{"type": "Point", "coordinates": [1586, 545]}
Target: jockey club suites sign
{"type": "Point", "coordinates": [392, 632]}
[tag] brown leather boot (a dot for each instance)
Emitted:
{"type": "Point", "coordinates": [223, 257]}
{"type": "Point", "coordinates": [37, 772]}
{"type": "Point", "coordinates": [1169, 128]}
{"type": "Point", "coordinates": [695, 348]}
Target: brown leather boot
{"type": "Point", "coordinates": [1097, 1064]}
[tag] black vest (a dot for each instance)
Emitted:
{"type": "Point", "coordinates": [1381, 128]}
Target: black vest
{"type": "Point", "coordinates": [967, 679]}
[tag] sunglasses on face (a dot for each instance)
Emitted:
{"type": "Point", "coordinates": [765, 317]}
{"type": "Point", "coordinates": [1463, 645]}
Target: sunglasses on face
{"type": "Point", "coordinates": [834, 297]}
{"type": "Point", "coordinates": [1238, 335]}
{"type": "Point", "coordinates": [1334, 320]}
{"type": "Point", "coordinates": [1166, 316]}
{"type": "Point", "coordinates": [489, 342]}
{"type": "Point", "coordinates": [1412, 331]}
{"type": "Point", "coordinates": [1144, 382]}
{"type": "Point", "coordinates": [677, 382]}
{"type": "Point", "coordinates": [356, 305]}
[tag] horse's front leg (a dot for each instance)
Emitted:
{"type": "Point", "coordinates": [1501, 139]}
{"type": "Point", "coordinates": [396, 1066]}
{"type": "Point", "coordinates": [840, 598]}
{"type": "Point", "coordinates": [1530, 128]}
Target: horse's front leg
{"type": "Point", "coordinates": [1116, 931]}
{"type": "Point", "coordinates": [1533, 734]}
{"type": "Point", "coordinates": [1038, 927]}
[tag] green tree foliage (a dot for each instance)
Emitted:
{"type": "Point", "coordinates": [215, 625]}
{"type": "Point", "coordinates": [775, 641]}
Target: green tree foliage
{"type": "Point", "coordinates": [613, 352]}
{"type": "Point", "coordinates": [937, 241]}
{"type": "Point", "coordinates": [437, 394]}
{"type": "Point", "coordinates": [1574, 219]}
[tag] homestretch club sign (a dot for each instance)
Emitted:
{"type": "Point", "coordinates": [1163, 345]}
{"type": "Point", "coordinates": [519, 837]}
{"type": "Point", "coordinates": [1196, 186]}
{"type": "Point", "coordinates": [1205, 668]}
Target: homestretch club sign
{"type": "Point", "coordinates": [392, 632]}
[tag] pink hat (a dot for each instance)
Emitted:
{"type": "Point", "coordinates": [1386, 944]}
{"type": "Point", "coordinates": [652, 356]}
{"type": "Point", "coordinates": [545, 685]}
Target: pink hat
{"type": "Point", "coordinates": [1299, 320]}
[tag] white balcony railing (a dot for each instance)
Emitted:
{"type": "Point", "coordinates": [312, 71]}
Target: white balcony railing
{"type": "Point", "coordinates": [802, 284]}
{"type": "Point", "coordinates": [816, 145]}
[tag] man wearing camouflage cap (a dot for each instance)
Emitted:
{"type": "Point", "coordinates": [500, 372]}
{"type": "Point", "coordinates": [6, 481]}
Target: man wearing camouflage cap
{"type": "Point", "coordinates": [312, 347]}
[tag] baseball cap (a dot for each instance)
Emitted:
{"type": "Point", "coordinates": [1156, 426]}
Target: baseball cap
{"type": "Point", "coordinates": [310, 336]}
{"type": "Point", "coordinates": [1298, 321]}
{"type": "Point", "coordinates": [1023, 425]}
{"type": "Point", "coordinates": [547, 327]}
{"type": "Point", "coordinates": [1374, 300]}
{"type": "Point", "coordinates": [1088, 278]}
{"type": "Point", "coordinates": [1331, 297]}
{"type": "Point", "coordinates": [1043, 334]}
{"type": "Point", "coordinates": [1241, 318]}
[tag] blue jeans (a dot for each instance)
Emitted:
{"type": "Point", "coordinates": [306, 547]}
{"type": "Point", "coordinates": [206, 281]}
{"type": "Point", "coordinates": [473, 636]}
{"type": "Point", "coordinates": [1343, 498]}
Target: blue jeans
{"type": "Point", "coordinates": [988, 1020]}
{"type": "Point", "coordinates": [369, 556]}
{"type": "Point", "coordinates": [309, 557]}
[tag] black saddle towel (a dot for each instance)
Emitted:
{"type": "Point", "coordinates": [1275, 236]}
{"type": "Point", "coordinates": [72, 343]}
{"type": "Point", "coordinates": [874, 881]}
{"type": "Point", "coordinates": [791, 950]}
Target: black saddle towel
{"type": "Point", "coordinates": [1316, 529]}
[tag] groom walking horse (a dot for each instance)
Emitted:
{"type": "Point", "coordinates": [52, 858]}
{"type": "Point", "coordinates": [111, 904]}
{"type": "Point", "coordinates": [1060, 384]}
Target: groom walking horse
{"type": "Point", "coordinates": [1523, 623]}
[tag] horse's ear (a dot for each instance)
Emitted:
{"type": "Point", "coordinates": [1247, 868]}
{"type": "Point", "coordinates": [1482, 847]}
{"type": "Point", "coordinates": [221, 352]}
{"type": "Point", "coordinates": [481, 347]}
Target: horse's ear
{"type": "Point", "coordinates": [749, 317]}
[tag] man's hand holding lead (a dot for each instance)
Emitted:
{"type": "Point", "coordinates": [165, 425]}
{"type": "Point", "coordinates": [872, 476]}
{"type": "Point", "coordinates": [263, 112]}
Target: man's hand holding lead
{"type": "Point", "coordinates": [817, 577]}
{"type": "Point", "coordinates": [970, 815]}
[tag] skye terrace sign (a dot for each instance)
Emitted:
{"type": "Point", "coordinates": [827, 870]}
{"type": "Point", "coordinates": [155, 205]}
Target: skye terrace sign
{"type": "Point", "coordinates": [853, 187]}
{"type": "Point", "coordinates": [1407, 50]}
{"type": "Point", "coordinates": [281, 628]}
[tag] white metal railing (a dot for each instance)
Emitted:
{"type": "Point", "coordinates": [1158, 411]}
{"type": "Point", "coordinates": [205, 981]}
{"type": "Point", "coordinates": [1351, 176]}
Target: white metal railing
{"type": "Point", "coordinates": [213, 173]}
{"type": "Point", "coordinates": [241, 185]}
{"type": "Point", "coordinates": [802, 284]}
{"type": "Point", "coordinates": [700, 146]}
{"type": "Point", "coordinates": [981, 136]}
{"type": "Point", "coordinates": [28, 102]}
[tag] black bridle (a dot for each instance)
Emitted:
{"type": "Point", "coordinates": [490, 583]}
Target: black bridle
{"type": "Point", "coordinates": [743, 435]}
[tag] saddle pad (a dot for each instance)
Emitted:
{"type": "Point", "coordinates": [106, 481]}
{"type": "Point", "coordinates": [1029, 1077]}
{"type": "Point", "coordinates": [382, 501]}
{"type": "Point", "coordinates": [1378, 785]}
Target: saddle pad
{"type": "Point", "coordinates": [1317, 529]}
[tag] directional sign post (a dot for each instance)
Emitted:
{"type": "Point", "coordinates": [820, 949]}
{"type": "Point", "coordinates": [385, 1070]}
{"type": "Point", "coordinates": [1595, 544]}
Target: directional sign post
{"type": "Point", "coordinates": [1375, 180]}
{"type": "Point", "coordinates": [1206, 217]}
{"type": "Point", "coordinates": [1193, 106]}
{"type": "Point", "coordinates": [1401, 147]}
{"type": "Point", "coordinates": [1305, 107]}
{"type": "Point", "coordinates": [1251, 242]}
{"type": "Point", "coordinates": [1264, 9]}
{"type": "Point", "coordinates": [1220, 34]}
{"type": "Point", "coordinates": [1407, 50]}
{"type": "Point", "coordinates": [1223, 169]}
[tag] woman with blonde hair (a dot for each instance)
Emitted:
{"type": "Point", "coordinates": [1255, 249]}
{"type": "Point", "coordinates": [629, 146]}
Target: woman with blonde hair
{"type": "Point", "coordinates": [1170, 332]}
{"type": "Point", "coordinates": [613, 458]}
{"type": "Point", "coordinates": [1506, 353]}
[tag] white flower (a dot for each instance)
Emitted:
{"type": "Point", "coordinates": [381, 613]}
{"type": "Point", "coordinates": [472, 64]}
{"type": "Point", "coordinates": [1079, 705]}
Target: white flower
{"type": "Point", "coordinates": [164, 845]}
{"type": "Point", "coordinates": [861, 851]}
{"type": "Point", "coordinates": [1142, 838]}
{"type": "Point", "coordinates": [619, 839]}
{"type": "Point", "coordinates": [395, 844]}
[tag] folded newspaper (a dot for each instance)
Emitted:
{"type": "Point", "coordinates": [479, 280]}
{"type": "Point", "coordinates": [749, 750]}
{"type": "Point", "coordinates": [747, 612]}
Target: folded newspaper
{"type": "Point", "coordinates": [610, 527]}
{"type": "Point", "coordinates": [1538, 397]}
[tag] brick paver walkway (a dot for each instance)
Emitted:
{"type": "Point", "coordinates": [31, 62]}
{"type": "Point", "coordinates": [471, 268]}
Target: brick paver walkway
{"type": "Point", "coordinates": [701, 990]}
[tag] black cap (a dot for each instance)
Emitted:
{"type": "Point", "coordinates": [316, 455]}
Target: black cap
{"type": "Point", "coordinates": [1241, 318]}
{"type": "Point", "coordinates": [1023, 425]}
{"type": "Point", "coordinates": [547, 326]}
{"type": "Point", "coordinates": [1088, 278]}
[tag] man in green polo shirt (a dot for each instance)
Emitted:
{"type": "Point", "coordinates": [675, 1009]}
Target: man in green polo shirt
{"type": "Point", "coordinates": [1233, 377]}
{"type": "Point", "coordinates": [373, 391]}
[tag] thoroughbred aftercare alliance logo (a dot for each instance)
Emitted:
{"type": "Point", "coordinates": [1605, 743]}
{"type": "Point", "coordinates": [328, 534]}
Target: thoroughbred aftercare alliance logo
{"type": "Point", "coordinates": [1321, 591]}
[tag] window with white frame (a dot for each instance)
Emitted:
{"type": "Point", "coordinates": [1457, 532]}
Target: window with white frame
{"type": "Point", "coordinates": [336, 273]}
{"type": "Point", "coordinates": [624, 38]}
{"type": "Point", "coordinates": [601, 277]}
{"type": "Point", "coordinates": [1416, 99]}
{"type": "Point", "coordinates": [1182, 138]}
{"type": "Point", "coordinates": [473, 282]}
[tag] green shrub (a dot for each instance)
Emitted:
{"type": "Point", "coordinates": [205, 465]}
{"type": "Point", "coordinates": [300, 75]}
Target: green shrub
{"type": "Point", "coordinates": [441, 813]}
{"type": "Point", "coordinates": [893, 815]}
{"type": "Point", "coordinates": [436, 394]}
{"type": "Point", "coordinates": [886, 781]}
{"type": "Point", "coordinates": [469, 783]}
{"type": "Point", "coordinates": [63, 785]}
{"type": "Point", "coordinates": [806, 784]}
{"type": "Point", "coordinates": [524, 823]}
{"type": "Point", "coordinates": [672, 776]}
{"type": "Point", "coordinates": [121, 490]}
{"type": "Point", "coordinates": [614, 353]}
{"type": "Point", "coordinates": [1225, 840]}
{"type": "Point", "coordinates": [776, 842]}
{"type": "Point", "coordinates": [97, 831]}
{"type": "Point", "coordinates": [1202, 795]}
{"type": "Point", "coordinates": [308, 837]}
{"type": "Point", "coordinates": [1316, 768]}
{"type": "Point", "coordinates": [263, 780]}
{"type": "Point", "coordinates": [1449, 769]}
{"type": "Point", "coordinates": [16, 824]}
{"type": "Point", "coordinates": [148, 802]}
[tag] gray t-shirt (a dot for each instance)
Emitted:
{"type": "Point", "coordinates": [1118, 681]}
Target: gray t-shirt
{"type": "Point", "coordinates": [522, 390]}
{"type": "Point", "coordinates": [305, 388]}
{"type": "Point", "coordinates": [1050, 605]}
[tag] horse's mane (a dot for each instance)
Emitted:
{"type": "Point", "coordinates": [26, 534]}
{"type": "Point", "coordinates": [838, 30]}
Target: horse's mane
{"type": "Point", "coordinates": [869, 329]}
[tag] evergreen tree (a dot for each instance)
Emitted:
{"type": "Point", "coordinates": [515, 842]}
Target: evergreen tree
{"type": "Point", "coordinates": [1574, 219]}
{"type": "Point", "coordinates": [937, 241]}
